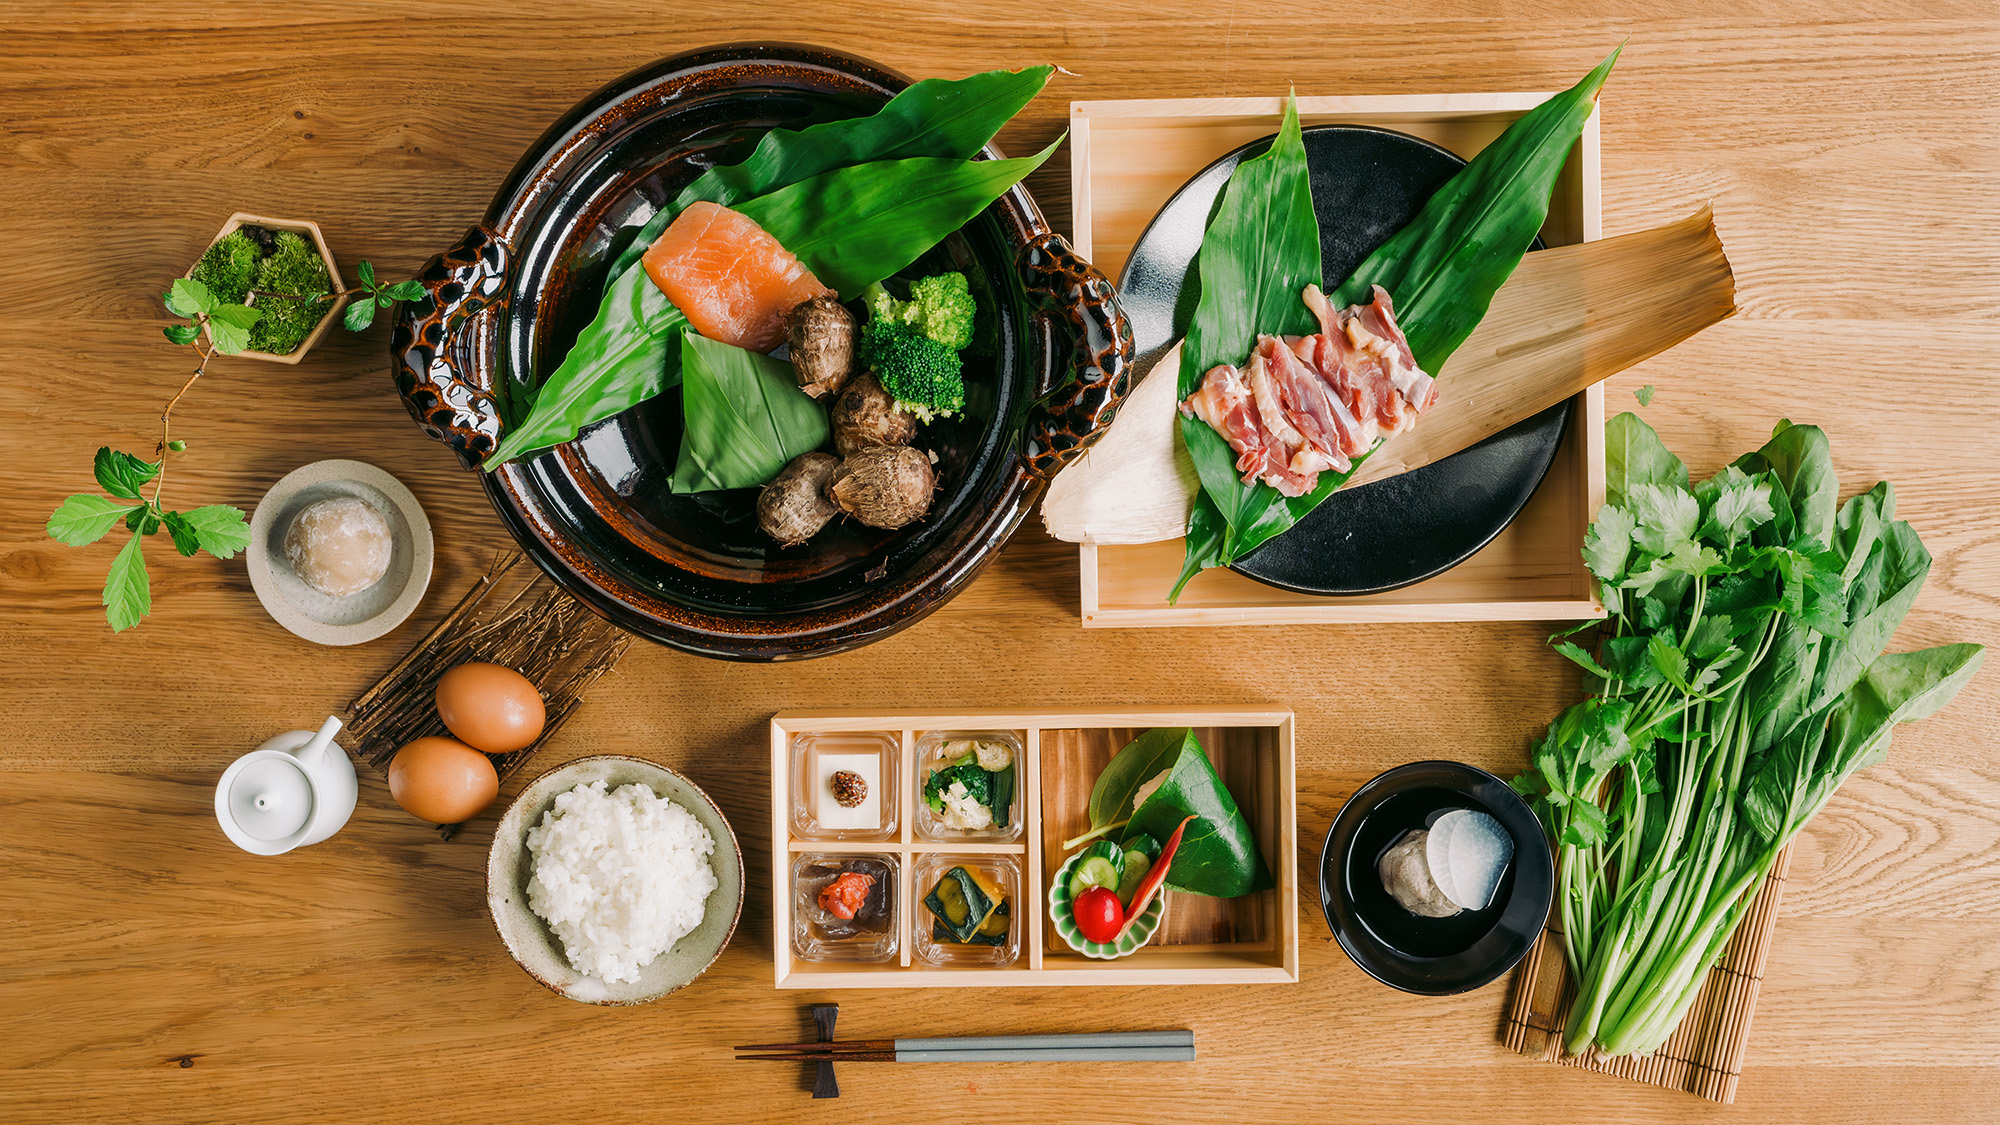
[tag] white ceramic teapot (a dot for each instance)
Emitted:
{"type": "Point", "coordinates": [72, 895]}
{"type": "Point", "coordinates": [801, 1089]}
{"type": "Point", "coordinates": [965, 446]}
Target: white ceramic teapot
{"type": "Point", "coordinates": [296, 789]}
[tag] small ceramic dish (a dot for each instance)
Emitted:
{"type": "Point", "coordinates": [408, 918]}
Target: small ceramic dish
{"type": "Point", "coordinates": [1062, 914]}
{"type": "Point", "coordinates": [537, 950]}
{"type": "Point", "coordinates": [1432, 956]}
{"type": "Point", "coordinates": [323, 618]}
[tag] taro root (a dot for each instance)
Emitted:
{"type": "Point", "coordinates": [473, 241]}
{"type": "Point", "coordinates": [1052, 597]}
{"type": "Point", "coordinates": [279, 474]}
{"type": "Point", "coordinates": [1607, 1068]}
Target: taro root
{"type": "Point", "coordinates": [865, 416]}
{"type": "Point", "coordinates": [887, 486]}
{"type": "Point", "coordinates": [794, 506]}
{"type": "Point", "coordinates": [821, 334]}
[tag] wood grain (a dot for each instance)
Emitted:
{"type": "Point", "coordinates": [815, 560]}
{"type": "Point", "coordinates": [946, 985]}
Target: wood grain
{"type": "Point", "coordinates": [1852, 156]}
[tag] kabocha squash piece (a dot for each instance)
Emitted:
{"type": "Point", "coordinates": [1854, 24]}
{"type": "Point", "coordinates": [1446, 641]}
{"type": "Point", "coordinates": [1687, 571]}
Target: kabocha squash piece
{"type": "Point", "coordinates": [994, 930]}
{"type": "Point", "coordinates": [962, 902]}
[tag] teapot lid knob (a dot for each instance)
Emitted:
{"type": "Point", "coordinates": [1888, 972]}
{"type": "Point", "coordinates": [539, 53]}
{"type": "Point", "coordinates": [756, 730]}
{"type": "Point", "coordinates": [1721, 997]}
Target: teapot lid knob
{"type": "Point", "coordinates": [271, 798]}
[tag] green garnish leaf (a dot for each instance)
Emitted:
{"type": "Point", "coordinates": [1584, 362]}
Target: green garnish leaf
{"type": "Point", "coordinates": [1644, 395]}
{"type": "Point", "coordinates": [220, 529]}
{"type": "Point", "coordinates": [229, 326]}
{"type": "Point", "coordinates": [83, 519]}
{"type": "Point", "coordinates": [190, 298]}
{"type": "Point", "coordinates": [185, 540]}
{"type": "Point", "coordinates": [411, 290]}
{"type": "Point", "coordinates": [128, 594]}
{"type": "Point", "coordinates": [181, 333]}
{"type": "Point", "coordinates": [122, 474]}
{"type": "Point", "coordinates": [367, 271]}
{"type": "Point", "coordinates": [359, 315]}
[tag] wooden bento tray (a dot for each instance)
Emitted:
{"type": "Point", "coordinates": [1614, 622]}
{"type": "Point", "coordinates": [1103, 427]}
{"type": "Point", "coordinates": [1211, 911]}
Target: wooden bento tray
{"type": "Point", "coordinates": [1127, 158]}
{"type": "Point", "coordinates": [1248, 940]}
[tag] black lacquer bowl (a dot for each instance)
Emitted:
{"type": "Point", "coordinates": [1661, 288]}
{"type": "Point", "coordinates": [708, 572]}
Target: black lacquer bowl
{"type": "Point", "coordinates": [694, 571]}
{"type": "Point", "coordinates": [1367, 184]}
{"type": "Point", "coordinates": [1432, 956]}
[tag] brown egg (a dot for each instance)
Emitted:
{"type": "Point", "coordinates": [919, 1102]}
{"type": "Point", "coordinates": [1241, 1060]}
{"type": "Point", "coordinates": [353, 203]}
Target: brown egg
{"type": "Point", "coordinates": [490, 707]}
{"type": "Point", "coordinates": [442, 780]}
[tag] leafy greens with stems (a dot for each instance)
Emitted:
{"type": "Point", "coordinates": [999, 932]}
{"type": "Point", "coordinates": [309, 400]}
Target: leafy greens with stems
{"type": "Point", "coordinates": [1739, 680]}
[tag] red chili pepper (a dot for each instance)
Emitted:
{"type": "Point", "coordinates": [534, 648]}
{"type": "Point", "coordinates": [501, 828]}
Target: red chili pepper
{"type": "Point", "coordinates": [1155, 875]}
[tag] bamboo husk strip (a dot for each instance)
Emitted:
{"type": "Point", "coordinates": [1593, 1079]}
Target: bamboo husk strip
{"type": "Point", "coordinates": [1704, 1055]}
{"type": "Point", "coordinates": [513, 615]}
{"type": "Point", "coordinates": [1568, 318]}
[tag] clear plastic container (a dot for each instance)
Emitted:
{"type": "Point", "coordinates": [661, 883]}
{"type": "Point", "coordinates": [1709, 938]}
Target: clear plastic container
{"type": "Point", "coordinates": [817, 813]}
{"type": "Point", "coordinates": [1002, 870]}
{"type": "Point", "coordinates": [870, 935]}
{"type": "Point", "coordinates": [931, 753]}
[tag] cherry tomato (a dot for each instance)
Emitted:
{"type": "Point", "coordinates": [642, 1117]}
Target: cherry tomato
{"type": "Point", "coordinates": [1099, 914]}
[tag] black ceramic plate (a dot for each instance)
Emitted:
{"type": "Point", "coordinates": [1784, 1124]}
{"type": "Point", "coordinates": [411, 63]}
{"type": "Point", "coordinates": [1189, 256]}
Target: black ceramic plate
{"type": "Point", "coordinates": [1366, 185]}
{"type": "Point", "coordinates": [1432, 956]}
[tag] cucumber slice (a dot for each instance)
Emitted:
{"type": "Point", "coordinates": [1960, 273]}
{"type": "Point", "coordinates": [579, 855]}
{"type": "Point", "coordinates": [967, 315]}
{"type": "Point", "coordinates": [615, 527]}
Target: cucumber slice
{"type": "Point", "coordinates": [1136, 866]}
{"type": "Point", "coordinates": [1093, 871]}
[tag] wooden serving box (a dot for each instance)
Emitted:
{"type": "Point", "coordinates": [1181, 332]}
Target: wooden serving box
{"type": "Point", "coordinates": [1127, 158]}
{"type": "Point", "coordinates": [1248, 940]}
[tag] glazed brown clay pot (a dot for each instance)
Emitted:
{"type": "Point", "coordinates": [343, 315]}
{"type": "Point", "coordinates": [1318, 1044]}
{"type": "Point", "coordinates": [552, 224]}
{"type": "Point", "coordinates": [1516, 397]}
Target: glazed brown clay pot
{"type": "Point", "coordinates": [693, 571]}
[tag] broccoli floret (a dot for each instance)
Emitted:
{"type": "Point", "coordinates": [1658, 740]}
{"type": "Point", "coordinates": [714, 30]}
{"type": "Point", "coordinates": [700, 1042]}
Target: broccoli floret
{"type": "Point", "coordinates": [924, 376]}
{"type": "Point", "coordinates": [939, 307]}
{"type": "Point", "coordinates": [228, 267]}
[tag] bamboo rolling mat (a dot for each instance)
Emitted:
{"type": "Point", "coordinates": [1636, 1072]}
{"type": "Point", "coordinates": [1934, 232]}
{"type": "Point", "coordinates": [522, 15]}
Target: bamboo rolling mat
{"type": "Point", "coordinates": [1704, 1055]}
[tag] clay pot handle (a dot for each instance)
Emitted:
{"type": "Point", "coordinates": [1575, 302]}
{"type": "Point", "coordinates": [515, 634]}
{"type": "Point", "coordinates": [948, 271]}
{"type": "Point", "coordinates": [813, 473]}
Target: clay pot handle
{"type": "Point", "coordinates": [459, 284]}
{"type": "Point", "coordinates": [1086, 353]}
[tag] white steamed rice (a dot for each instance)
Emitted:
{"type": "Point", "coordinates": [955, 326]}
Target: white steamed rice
{"type": "Point", "coordinates": [619, 876]}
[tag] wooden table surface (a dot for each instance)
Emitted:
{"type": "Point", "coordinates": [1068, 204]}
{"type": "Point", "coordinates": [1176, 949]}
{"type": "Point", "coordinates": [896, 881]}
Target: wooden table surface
{"type": "Point", "coordinates": [150, 971]}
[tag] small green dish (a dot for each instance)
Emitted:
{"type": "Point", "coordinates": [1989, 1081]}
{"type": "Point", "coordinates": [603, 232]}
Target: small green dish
{"type": "Point", "coordinates": [1064, 916]}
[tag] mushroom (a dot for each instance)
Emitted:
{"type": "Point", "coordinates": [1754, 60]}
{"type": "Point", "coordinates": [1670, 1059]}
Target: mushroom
{"type": "Point", "coordinates": [886, 486]}
{"type": "Point", "coordinates": [865, 415]}
{"type": "Point", "coordinates": [821, 335]}
{"type": "Point", "coordinates": [794, 506]}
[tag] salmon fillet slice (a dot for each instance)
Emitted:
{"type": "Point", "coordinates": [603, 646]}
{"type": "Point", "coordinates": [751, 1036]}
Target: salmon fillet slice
{"type": "Point", "coordinates": [733, 281]}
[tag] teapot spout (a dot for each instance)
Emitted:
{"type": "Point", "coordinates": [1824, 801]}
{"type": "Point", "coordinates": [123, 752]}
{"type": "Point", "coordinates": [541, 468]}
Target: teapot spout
{"type": "Point", "coordinates": [312, 753]}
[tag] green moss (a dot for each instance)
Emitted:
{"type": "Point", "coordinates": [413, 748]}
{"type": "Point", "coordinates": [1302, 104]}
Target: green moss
{"type": "Point", "coordinates": [294, 267]}
{"type": "Point", "coordinates": [228, 267]}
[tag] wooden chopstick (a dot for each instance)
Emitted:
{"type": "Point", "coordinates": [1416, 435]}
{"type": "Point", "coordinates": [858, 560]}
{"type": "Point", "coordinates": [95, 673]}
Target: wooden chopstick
{"type": "Point", "coordinates": [1091, 1046]}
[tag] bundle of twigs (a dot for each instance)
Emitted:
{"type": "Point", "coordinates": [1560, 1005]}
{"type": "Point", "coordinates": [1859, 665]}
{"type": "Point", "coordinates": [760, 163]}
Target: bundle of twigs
{"type": "Point", "coordinates": [513, 615]}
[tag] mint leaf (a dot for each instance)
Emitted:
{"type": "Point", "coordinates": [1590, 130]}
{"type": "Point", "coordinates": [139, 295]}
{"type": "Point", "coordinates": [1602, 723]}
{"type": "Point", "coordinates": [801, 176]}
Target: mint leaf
{"type": "Point", "coordinates": [412, 290]}
{"type": "Point", "coordinates": [367, 272]}
{"type": "Point", "coordinates": [180, 333]}
{"type": "Point", "coordinates": [229, 326]}
{"type": "Point", "coordinates": [128, 594]}
{"type": "Point", "coordinates": [360, 315]}
{"type": "Point", "coordinates": [121, 474]}
{"type": "Point", "coordinates": [1608, 543]}
{"type": "Point", "coordinates": [184, 537]}
{"type": "Point", "coordinates": [190, 298]}
{"type": "Point", "coordinates": [219, 529]}
{"type": "Point", "coordinates": [83, 519]}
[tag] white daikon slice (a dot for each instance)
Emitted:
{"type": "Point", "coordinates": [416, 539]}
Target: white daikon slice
{"type": "Point", "coordinates": [1437, 853]}
{"type": "Point", "coordinates": [1479, 850]}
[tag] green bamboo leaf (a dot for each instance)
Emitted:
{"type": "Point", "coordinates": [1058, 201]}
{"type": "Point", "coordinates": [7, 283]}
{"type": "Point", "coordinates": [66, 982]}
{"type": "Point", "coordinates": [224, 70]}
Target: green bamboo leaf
{"type": "Point", "coordinates": [951, 118]}
{"type": "Point", "coordinates": [745, 417]}
{"type": "Point", "coordinates": [128, 593]}
{"type": "Point", "coordinates": [83, 519]}
{"type": "Point", "coordinates": [857, 225]}
{"type": "Point", "coordinates": [1443, 269]}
